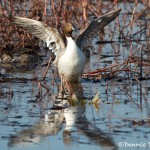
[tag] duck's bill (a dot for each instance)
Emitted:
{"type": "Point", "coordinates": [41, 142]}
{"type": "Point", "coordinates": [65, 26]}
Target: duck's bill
{"type": "Point", "coordinates": [75, 29]}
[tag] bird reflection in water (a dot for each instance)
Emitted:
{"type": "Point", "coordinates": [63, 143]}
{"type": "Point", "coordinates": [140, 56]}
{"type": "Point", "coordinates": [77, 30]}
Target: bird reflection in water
{"type": "Point", "coordinates": [74, 118]}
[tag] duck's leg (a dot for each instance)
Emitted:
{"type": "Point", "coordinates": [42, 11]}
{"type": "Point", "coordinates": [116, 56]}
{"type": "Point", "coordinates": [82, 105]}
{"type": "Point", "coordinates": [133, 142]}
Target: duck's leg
{"type": "Point", "coordinates": [68, 87]}
{"type": "Point", "coordinates": [65, 86]}
{"type": "Point", "coordinates": [62, 89]}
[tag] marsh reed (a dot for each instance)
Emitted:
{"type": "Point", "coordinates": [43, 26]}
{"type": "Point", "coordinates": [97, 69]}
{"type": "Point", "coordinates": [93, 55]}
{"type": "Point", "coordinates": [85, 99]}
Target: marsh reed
{"type": "Point", "coordinates": [132, 27]}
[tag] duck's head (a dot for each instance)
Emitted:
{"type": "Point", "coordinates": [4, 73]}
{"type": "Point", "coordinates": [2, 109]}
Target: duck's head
{"type": "Point", "coordinates": [68, 29]}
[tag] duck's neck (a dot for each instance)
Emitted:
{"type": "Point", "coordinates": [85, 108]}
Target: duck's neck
{"type": "Point", "coordinates": [71, 45]}
{"type": "Point", "coordinates": [69, 40]}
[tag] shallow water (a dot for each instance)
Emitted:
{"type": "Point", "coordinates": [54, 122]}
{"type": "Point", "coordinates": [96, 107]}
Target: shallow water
{"type": "Point", "coordinates": [28, 122]}
{"type": "Point", "coordinates": [120, 121]}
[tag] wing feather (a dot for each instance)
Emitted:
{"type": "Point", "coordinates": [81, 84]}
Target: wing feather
{"type": "Point", "coordinates": [94, 28]}
{"type": "Point", "coordinates": [42, 31]}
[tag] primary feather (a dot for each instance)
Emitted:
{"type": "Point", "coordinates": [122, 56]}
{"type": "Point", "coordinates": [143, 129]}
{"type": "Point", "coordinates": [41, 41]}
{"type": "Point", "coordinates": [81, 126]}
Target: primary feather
{"type": "Point", "coordinates": [39, 29]}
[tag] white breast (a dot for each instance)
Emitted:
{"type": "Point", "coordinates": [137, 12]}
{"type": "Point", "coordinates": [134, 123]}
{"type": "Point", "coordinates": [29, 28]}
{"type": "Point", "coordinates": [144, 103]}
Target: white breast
{"type": "Point", "coordinates": [72, 62]}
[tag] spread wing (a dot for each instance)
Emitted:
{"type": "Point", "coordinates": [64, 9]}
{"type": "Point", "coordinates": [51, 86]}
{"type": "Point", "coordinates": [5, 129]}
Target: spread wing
{"type": "Point", "coordinates": [95, 27]}
{"type": "Point", "coordinates": [39, 29]}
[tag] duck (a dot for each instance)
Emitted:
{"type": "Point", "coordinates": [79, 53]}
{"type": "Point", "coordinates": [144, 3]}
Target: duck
{"type": "Point", "coordinates": [70, 58]}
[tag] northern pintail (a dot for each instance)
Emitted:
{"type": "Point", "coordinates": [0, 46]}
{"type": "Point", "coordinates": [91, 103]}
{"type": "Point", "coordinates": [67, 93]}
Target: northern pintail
{"type": "Point", "coordinates": [70, 59]}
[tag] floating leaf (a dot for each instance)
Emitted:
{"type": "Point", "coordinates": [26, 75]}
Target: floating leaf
{"type": "Point", "coordinates": [83, 102]}
{"type": "Point", "coordinates": [74, 97]}
{"type": "Point", "coordinates": [73, 101]}
{"type": "Point", "coordinates": [117, 101]}
{"type": "Point", "coordinates": [96, 100]}
{"type": "Point", "coordinates": [97, 107]}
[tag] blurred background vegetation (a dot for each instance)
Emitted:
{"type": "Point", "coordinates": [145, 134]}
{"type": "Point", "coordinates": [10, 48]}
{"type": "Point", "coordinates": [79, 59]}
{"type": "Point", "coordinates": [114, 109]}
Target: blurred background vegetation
{"type": "Point", "coordinates": [56, 12]}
